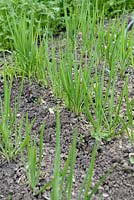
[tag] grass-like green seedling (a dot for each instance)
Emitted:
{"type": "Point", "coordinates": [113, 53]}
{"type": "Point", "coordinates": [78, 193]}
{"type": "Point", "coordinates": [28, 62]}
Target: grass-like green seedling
{"type": "Point", "coordinates": [103, 47]}
{"type": "Point", "coordinates": [34, 156]}
{"type": "Point", "coordinates": [11, 139]}
{"type": "Point", "coordinates": [73, 81]}
{"type": "Point", "coordinates": [105, 119]}
{"type": "Point", "coordinates": [128, 121]}
{"type": "Point", "coordinates": [62, 183]}
{"type": "Point", "coordinates": [28, 47]}
{"type": "Point", "coordinates": [86, 192]}
{"type": "Point", "coordinates": [56, 182]}
{"type": "Point", "coordinates": [52, 66]}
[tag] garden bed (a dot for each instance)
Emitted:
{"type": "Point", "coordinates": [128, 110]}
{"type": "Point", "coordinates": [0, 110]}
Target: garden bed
{"type": "Point", "coordinates": [39, 102]}
{"type": "Point", "coordinates": [65, 97]}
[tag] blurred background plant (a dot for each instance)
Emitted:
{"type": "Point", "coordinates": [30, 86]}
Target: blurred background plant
{"type": "Point", "coordinates": [113, 7]}
{"type": "Point", "coordinates": [47, 13]}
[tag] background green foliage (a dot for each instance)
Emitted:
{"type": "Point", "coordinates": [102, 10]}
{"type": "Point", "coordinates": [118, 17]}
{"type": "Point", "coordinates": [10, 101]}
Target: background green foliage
{"type": "Point", "coordinates": [50, 13]}
{"type": "Point", "coordinates": [114, 7]}
{"type": "Point", "coordinates": [46, 13]}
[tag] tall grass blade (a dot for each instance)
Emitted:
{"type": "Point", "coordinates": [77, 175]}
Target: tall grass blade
{"type": "Point", "coordinates": [89, 175]}
{"type": "Point", "coordinates": [56, 183]}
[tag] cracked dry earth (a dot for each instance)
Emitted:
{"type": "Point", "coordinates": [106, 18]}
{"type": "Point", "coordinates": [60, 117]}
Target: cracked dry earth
{"type": "Point", "coordinates": [39, 101]}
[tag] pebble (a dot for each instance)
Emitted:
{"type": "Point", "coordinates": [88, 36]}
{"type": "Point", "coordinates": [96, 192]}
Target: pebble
{"type": "Point", "coordinates": [116, 159]}
{"type": "Point", "coordinates": [105, 195]}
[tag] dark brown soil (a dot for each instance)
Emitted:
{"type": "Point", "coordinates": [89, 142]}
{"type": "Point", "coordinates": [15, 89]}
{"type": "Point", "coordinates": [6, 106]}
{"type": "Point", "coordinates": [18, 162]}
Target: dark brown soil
{"type": "Point", "coordinates": [39, 102]}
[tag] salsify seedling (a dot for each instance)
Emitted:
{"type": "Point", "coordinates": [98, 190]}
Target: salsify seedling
{"type": "Point", "coordinates": [62, 182]}
{"type": "Point", "coordinates": [33, 154]}
{"type": "Point", "coordinates": [11, 138]}
{"type": "Point", "coordinates": [28, 47]}
{"type": "Point", "coordinates": [128, 118]}
{"type": "Point", "coordinates": [100, 106]}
